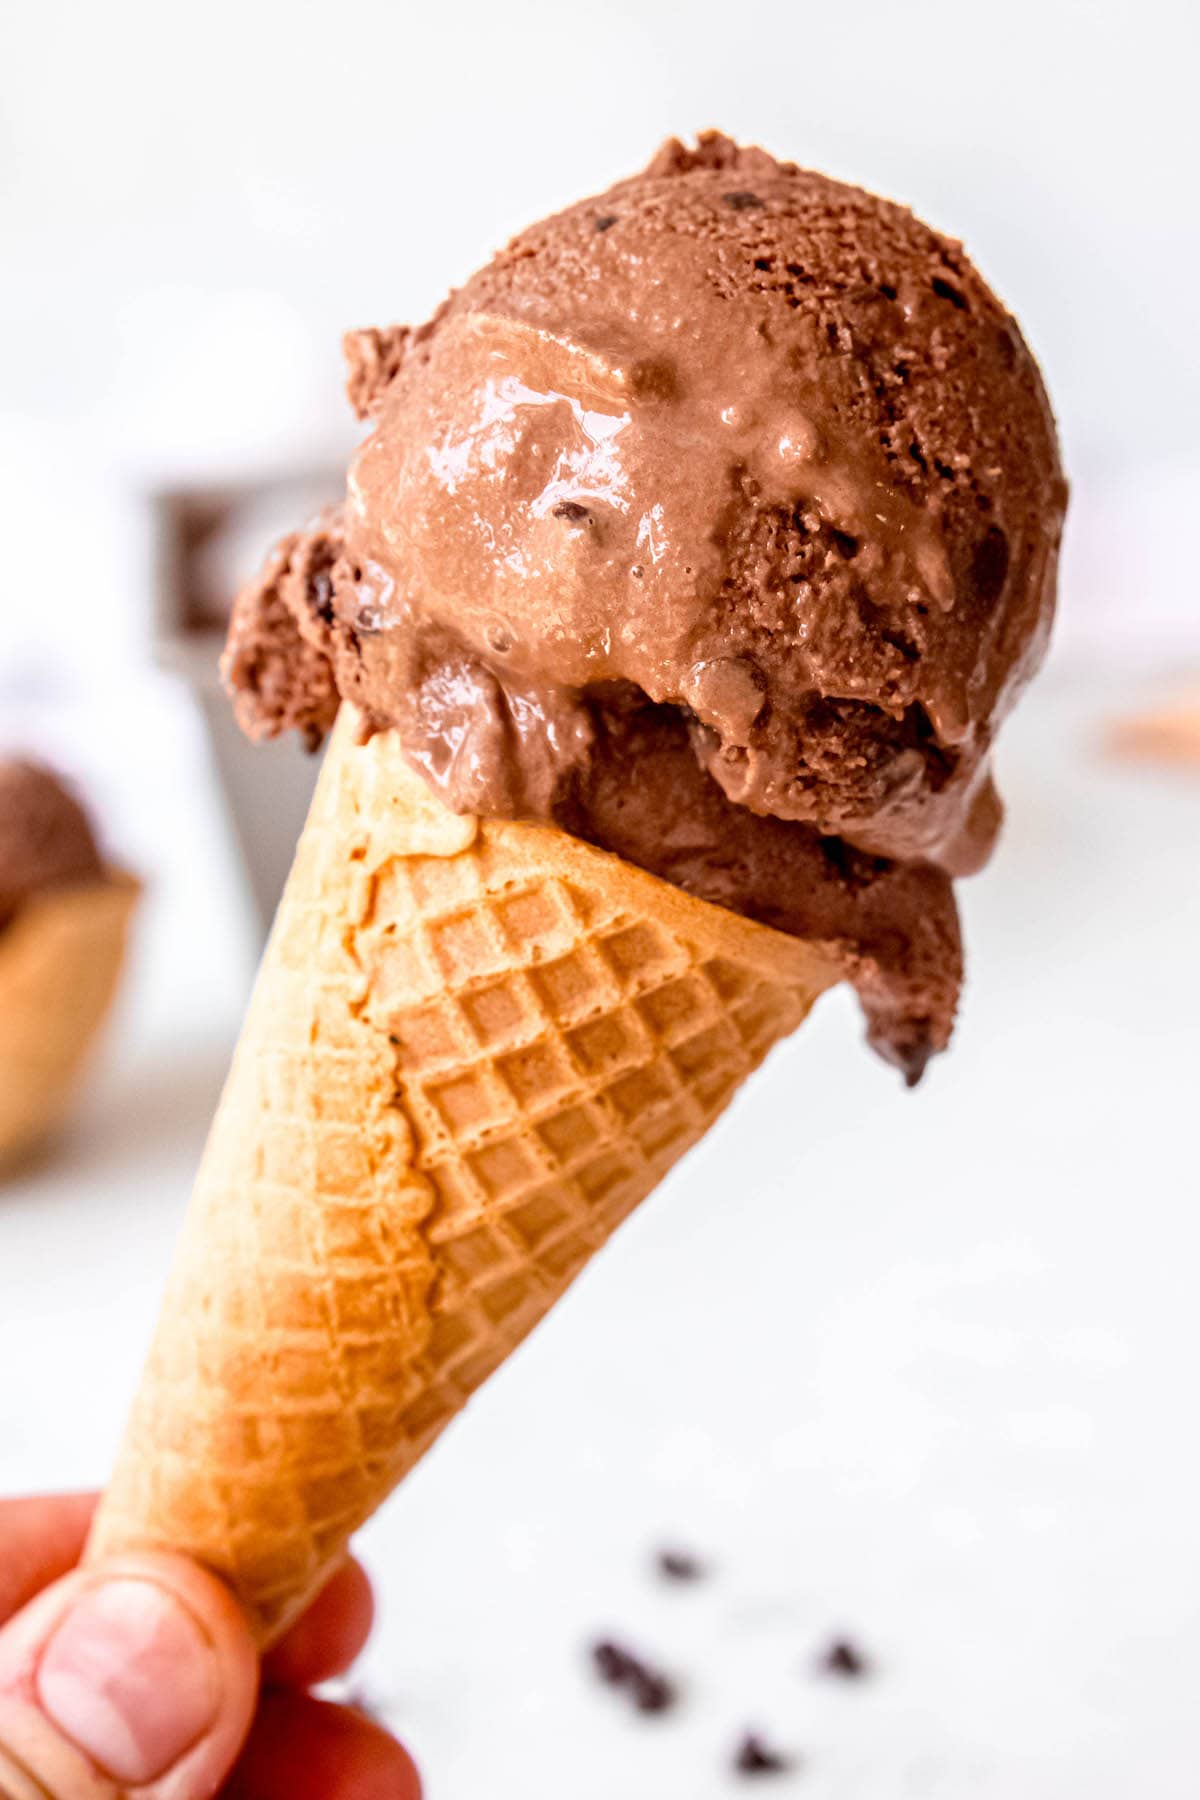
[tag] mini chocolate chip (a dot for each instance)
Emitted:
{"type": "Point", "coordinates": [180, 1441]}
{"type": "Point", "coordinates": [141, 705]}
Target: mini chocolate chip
{"type": "Point", "coordinates": [900, 640]}
{"type": "Point", "coordinates": [571, 510]}
{"type": "Point", "coordinates": [612, 1663]}
{"type": "Point", "coordinates": [368, 620]}
{"type": "Point", "coordinates": [945, 291]}
{"type": "Point", "coordinates": [742, 201]}
{"type": "Point", "coordinates": [842, 1657]}
{"type": "Point", "coordinates": [989, 565]}
{"type": "Point", "coordinates": [652, 1693]}
{"type": "Point", "coordinates": [650, 1690]}
{"type": "Point", "coordinates": [845, 544]}
{"type": "Point", "coordinates": [653, 379]}
{"type": "Point", "coordinates": [605, 221]}
{"type": "Point", "coordinates": [680, 1565]}
{"type": "Point", "coordinates": [754, 1757]}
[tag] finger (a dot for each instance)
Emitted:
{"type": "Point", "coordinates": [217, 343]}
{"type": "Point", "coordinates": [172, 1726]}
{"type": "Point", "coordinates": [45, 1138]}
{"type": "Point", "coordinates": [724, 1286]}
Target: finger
{"type": "Point", "coordinates": [306, 1749]}
{"type": "Point", "coordinates": [40, 1539]}
{"type": "Point", "coordinates": [135, 1674]}
{"type": "Point", "coordinates": [329, 1636]}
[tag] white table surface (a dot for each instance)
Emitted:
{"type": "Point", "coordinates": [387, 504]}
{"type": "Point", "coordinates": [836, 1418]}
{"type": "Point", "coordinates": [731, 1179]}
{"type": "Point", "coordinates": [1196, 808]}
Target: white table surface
{"type": "Point", "coordinates": [920, 1367]}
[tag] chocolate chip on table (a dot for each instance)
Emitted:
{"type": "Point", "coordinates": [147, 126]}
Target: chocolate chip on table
{"type": "Point", "coordinates": [680, 1565]}
{"type": "Point", "coordinates": [845, 1658]}
{"type": "Point", "coordinates": [612, 1663]}
{"type": "Point", "coordinates": [755, 1757]}
{"type": "Point", "coordinates": [650, 1690]}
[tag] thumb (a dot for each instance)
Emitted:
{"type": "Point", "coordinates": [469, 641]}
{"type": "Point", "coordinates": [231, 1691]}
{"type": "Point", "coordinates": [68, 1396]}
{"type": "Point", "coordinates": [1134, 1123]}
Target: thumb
{"type": "Point", "coordinates": [134, 1678]}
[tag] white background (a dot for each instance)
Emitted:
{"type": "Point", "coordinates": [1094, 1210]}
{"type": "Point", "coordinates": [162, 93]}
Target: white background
{"type": "Point", "coordinates": [918, 1366]}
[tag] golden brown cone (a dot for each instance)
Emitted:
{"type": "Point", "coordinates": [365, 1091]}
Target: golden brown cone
{"type": "Point", "coordinates": [473, 1047]}
{"type": "Point", "coordinates": [60, 960]}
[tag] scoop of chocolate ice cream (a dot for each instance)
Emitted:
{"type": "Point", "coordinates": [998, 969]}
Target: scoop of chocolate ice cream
{"type": "Point", "coordinates": [735, 451]}
{"type": "Point", "coordinates": [45, 837]}
{"type": "Point", "coordinates": [758, 442]}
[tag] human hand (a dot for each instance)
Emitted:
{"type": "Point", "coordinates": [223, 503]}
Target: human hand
{"type": "Point", "coordinates": [138, 1680]}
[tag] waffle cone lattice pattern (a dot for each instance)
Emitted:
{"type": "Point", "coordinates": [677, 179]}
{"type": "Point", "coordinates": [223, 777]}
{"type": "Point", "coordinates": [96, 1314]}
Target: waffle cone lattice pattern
{"type": "Point", "coordinates": [472, 1049]}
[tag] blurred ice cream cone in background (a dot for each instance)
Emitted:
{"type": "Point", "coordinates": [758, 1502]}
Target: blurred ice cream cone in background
{"type": "Point", "coordinates": [206, 541]}
{"type": "Point", "coordinates": [64, 919]}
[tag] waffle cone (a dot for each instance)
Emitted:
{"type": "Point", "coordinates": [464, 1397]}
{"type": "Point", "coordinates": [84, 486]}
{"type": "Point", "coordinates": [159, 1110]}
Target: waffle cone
{"type": "Point", "coordinates": [60, 960]}
{"type": "Point", "coordinates": [473, 1047]}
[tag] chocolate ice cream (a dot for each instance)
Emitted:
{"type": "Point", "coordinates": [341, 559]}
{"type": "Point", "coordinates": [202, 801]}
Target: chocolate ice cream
{"type": "Point", "coordinates": [716, 521]}
{"type": "Point", "coordinates": [45, 837]}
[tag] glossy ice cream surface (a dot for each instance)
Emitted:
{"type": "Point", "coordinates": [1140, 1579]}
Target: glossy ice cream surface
{"type": "Point", "coordinates": [716, 520]}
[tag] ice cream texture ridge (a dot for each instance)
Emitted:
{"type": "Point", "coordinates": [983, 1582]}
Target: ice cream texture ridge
{"type": "Point", "coordinates": [715, 522]}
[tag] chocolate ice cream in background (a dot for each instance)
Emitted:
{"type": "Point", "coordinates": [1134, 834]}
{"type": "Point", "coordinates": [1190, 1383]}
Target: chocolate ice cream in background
{"type": "Point", "coordinates": [64, 915]}
{"type": "Point", "coordinates": [716, 521]}
{"type": "Point", "coordinates": [46, 838]}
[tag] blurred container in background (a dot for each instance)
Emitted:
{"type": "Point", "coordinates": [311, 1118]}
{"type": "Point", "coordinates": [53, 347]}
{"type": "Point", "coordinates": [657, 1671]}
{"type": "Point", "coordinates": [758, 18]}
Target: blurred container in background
{"type": "Point", "coordinates": [207, 541]}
